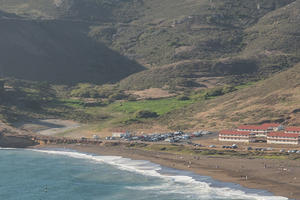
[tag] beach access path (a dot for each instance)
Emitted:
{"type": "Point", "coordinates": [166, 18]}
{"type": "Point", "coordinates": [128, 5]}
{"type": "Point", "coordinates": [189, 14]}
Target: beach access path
{"type": "Point", "coordinates": [48, 127]}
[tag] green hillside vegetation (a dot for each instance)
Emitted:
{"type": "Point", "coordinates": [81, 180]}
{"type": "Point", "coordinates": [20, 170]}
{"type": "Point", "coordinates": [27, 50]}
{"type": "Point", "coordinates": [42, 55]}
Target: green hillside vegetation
{"type": "Point", "coordinates": [203, 39]}
{"type": "Point", "coordinates": [275, 99]}
{"type": "Point", "coordinates": [226, 62]}
{"type": "Point", "coordinates": [105, 108]}
{"type": "Point", "coordinates": [274, 40]}
{"type": "Point", "coordinates": [208, 38]}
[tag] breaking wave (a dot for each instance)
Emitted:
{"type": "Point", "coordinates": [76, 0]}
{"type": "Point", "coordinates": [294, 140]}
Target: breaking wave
{"type": "Point", "coordinates": [174, 182]}
{"type": "Point", "coordinates": [2, 148]}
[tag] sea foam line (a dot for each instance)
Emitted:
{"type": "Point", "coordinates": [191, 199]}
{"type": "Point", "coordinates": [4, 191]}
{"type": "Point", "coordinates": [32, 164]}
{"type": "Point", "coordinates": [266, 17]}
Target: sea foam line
{"type": "Point", "coordinates": [174, 183]}
{"type": "Point", "coordinates": [3, 148]}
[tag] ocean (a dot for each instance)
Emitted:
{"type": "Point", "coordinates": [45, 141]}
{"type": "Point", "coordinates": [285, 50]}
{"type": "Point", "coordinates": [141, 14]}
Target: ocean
{"type": "Point", "coordinates": [68, 175]}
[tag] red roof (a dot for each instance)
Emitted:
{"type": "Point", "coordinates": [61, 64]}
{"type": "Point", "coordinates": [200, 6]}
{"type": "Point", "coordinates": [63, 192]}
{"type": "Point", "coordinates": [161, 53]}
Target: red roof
{"type": "Point", "coordinates": [230, 132]}
{"type": "Point", "coordinates": [283, 134]}
{"type": "Point", "coordinates": [252, 127]}
{"type": "Point", "coordinates": [269, 125]}
{"type": "Point", "coordinates": [265, 126]}
{"type": "Point", "coordinates": [292, 128]}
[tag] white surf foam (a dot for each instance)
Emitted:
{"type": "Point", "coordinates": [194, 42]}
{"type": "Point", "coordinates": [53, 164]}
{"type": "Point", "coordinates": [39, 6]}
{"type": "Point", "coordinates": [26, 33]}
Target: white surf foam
{"type": "Point", "coordinates": [172, 183]}
{"type": "Point", "coordinates": [3, 148]}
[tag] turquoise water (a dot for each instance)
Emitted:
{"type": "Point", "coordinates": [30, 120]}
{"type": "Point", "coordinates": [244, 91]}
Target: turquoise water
{"type": "Point", "coordinates": [67, 175]}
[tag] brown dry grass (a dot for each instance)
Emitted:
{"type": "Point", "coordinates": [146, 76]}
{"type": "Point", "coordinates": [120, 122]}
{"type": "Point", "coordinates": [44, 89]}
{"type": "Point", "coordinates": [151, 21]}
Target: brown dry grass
{"type": "Point", "coordinates": [273, 99]}
{"type": "Point", "coordinates": [152, 93]}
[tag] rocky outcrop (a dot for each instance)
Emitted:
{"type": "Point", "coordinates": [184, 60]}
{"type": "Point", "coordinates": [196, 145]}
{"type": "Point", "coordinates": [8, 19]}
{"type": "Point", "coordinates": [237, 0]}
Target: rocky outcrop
{"type": "Point", "coordinates": [16, 141]}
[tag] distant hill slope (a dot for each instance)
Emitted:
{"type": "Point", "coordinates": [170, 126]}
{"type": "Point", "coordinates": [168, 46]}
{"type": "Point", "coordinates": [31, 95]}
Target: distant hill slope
{"type": "Point", "coordinates": [276, 99]}
{"type": "Point", "coordinates": [231, 39]}
{"type": "Point", "coordinates": [75, 10]}
{"type": "Point", "coordinates": [59, 52]}
{"type": "Point", "coordinates": [275, 40]}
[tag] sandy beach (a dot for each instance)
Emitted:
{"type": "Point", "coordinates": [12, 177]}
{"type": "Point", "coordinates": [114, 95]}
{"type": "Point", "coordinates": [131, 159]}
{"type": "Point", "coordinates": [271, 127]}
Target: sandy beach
{"type": "Point", "coordinates": [279, 176]}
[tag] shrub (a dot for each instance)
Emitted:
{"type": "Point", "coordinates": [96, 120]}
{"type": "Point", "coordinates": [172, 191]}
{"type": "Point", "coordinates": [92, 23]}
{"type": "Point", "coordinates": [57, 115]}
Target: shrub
{"type": "Point", "coordinates": [146, 114]}
{"type": "Point", "coordinates": [183, 98]}
{"type": "Point", "coordinates": [214, 92]}
{"type": "Point", "coordinates": [84, 90]}
{"type": "Point", "coordinates": [118, 95]}
{"type": "Point", "coordinates": [219, 91]}
{"type": "Point", "coordinates": [228, 89]}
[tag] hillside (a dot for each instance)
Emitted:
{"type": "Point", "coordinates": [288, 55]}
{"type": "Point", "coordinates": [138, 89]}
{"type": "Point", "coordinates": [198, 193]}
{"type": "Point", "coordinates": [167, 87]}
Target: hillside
{"type": "Point", "coordinates": [58, 52]}
{"type": "Point", "coordinates": [75, 10]}
{"type": "Point", "coordinates": [276, 99]}
{"type": "Point", "coordinates": [274, 40]}
{"type": "Point", "coordinates": [237, 40]}
{"type": "Point", "coordinates": [182, 43]}
{"type": "Point", "coordinates": [216, 63]}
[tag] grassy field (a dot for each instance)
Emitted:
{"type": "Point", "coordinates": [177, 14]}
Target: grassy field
{"type": "Point", "coordinates": [161, 106]}
{"type": "Point", "coordinates": [122, 113]}
{"type": "Point", "coordinates": [30, 100]}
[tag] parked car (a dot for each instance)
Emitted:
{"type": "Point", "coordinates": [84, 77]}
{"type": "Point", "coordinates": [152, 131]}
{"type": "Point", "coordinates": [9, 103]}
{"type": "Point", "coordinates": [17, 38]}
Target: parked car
{"type": "Point", "coordinates": [264, 149]}
{"type": "Point", "coordinates": [169, 140]}
{"type": "Point", "coordinates": [135, 138]}
{"type": "Point", "coordinates": [197, 134]}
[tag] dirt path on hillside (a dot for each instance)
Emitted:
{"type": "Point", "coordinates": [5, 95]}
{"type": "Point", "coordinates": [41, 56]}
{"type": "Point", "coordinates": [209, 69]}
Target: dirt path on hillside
{"type": "Point", "coordinates": [48, 127]}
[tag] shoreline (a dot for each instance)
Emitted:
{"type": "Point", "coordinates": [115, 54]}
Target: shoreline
{"type": "Point", "coordinates": [245, 172]}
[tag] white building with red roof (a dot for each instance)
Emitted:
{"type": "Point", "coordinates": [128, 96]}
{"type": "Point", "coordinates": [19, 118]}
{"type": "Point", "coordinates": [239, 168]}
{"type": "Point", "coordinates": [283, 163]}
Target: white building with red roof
{"type": "Point", "coordinates": [261, 130]}
{"type": "Point", "coordinates": [292, 129]}
{"type": "Point", "coordinates": [283, 138]}
{"type": "Point", "coordinates": [268, 132]}
{"type": "Point", "coordinates": [236, 136]}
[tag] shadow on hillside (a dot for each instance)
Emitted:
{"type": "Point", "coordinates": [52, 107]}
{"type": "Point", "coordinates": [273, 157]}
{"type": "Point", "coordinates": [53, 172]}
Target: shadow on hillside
{"type": "Point", "coordinates": [58, 52]}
